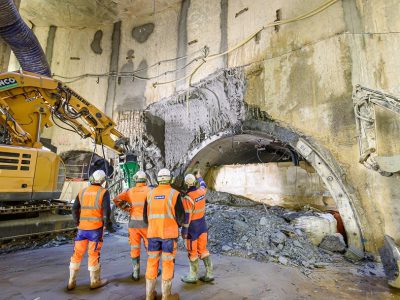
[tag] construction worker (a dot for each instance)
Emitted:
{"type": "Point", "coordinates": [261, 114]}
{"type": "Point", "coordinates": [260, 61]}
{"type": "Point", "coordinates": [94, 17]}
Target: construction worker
{"type": "Point", "coordinates": [91, 212]}
{"type": "Point", "coordinates": [194, 229]}
{"type": "Point", "coordinates": [133, 201]}
{"type": "Point", "coordinates": [164, 213]}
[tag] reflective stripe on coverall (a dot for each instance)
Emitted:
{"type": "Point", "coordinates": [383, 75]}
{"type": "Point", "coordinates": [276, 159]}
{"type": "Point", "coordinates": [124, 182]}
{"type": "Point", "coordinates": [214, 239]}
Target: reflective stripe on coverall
{"type": "Point", "coordinates": [90, 229]}
{"type": "Point", "coordinates": [195, 224]}
{"type": "Point", "coordinates": [162, 231]}
{"type": "Point", "coordinates": [137, 229]}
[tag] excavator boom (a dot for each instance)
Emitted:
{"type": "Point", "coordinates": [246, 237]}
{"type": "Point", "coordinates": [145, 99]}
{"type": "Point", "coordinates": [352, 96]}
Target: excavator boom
{"type": "Point", "coordinates": [30, 102]}
{"type": "Point", "coordinates": [364, 102]}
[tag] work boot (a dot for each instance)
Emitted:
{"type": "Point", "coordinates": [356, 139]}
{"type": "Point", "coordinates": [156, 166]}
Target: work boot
{"type": "Point", "coordinates": [95, 280]}
{"type": "Point", "coordinates": [72, 279]}
{"type": "Point", "coordinates": [193, 269]}
{"type": "Point", "coordinates": [209, 270]}
{"type": "Point", "coordinates": [166, 291]}
{"type": "Point", "coordinates": [136, 268]}
{"type": "Point", "coordinates": [151, 293]}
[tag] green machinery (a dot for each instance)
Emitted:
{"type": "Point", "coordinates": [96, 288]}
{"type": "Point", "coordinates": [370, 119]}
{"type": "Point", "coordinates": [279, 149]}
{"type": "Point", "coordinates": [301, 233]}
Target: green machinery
{"type": "Point", "coordinates": [129, 168]}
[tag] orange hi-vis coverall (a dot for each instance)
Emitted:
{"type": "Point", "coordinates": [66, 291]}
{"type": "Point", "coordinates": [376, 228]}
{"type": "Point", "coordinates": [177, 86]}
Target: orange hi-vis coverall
{"type": "Point", "coordinates": [136, 197]}
{"type": "Point", "coordinates": [164, 213]}
{"type": "Point", "coordinates": [90, 208]}
{"type": "Point", "coordinates": [194, 228]}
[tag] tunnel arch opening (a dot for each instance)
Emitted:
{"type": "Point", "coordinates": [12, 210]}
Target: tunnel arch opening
{"type": "Point", "coordinates": [268, 138]}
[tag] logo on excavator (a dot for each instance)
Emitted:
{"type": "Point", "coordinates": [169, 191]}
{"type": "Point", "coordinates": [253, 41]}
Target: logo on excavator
{"type": "Point", "coordinates": [7, 83]}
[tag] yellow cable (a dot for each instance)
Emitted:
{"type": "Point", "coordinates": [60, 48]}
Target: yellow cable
{"type": "Point", "coordinates": [155, 84]}
{"type": "Point", "coordinates": [309, 14]}
{"type": "Point", "coordinates": [302, 17]}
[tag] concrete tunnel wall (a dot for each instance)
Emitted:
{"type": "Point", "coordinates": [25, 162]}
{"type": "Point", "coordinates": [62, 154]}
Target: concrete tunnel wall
{"type": "Point", "coordinates": [273, 183]}
{"type": "Point", "coordinates": [297, 77]}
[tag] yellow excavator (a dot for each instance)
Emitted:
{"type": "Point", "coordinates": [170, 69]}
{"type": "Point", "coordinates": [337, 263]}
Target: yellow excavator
{"type": "Point", "coordinates": [28, 104]}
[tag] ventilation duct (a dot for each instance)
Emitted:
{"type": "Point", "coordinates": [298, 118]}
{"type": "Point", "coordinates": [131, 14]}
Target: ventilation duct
{"type": "Point", "coordinates": [21, 39]}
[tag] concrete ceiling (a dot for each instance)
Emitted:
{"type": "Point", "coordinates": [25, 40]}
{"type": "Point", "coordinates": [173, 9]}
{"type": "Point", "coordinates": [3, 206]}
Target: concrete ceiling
{"type": "Point", "coordinates": [89, 13]}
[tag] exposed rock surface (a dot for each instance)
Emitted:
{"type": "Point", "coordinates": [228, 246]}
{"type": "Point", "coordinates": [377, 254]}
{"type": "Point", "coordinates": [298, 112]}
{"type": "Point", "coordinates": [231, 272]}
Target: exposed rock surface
{"type": "Point", "coordinates": [263, 234]}
{"type": "Point", "coordinates": [240, 227]}
{"type": "Point", "coordinates": [334, 243]}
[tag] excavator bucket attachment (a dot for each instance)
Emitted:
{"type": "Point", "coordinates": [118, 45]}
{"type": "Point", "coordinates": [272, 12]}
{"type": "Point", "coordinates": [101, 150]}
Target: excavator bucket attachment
{"type": "Point", "coordinates": [390, 256]}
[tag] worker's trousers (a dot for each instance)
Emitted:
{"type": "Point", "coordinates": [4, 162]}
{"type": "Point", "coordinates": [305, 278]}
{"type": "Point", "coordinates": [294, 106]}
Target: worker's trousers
{"type": "Point", "coordinates": [85, 238]}
{"type": "Point", "coordinates": [164, 249]}
{"type": "Point", "coordinates": [198, 248]}
{"type": "Point", "coordinates": [135, 237]}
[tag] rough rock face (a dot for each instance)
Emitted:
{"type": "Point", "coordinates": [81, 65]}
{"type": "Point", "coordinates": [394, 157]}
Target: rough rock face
{"type": "Point", "coordinates": [334, 243]}
{"type": "Point", "coordinates": [213, 105]}
{"type": "Point", "coordinates": [186, 118]}
{"type": "Point", "coordinates": [146, 133]}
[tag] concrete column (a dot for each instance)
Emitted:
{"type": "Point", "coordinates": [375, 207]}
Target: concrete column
{"type": "Point", "coordinates": [112, 80]}
{"type": "Point", "coordinates": [50, 43]}
{"type": "Point", "coordinates": [224, 29]}
{"type": "Point", "coordinates": [182, 43]}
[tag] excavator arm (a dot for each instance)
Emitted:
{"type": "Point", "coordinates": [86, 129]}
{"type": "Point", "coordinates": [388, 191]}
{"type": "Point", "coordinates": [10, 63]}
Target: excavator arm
{"type": "Point", "coordinates": [364, 102]}
{"type": "Point", "coordinates": [30, 102]}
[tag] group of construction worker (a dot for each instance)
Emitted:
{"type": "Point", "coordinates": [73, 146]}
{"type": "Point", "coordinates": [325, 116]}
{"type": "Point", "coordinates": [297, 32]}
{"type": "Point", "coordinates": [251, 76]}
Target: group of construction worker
{"type": "Point", "coordinates": [156, 214]}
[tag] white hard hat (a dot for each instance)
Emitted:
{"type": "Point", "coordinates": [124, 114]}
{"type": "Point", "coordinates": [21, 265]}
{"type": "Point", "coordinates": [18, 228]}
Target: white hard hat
{"type": "Point", "coordinates": [190, 180]}
{"type": "Point", "coordinates": [140, 176]}
{"type": "Point", "coordinates": [164, 175]}
{"type": "Point", "coordinates": [98, 177]}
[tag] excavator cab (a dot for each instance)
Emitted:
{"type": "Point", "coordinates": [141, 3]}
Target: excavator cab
{"type": "Point", "coordinates": [28, 174]}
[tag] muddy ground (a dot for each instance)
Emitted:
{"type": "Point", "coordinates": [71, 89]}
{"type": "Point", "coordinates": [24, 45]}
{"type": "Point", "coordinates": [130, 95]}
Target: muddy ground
{"type": "Point", "coordinates": [42, 274]}
{"type": "Point", "coordinates": [257, 255]}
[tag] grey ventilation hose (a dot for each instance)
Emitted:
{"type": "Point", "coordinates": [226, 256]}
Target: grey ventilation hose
{"type": "Point", "coordinates": [21, 39]}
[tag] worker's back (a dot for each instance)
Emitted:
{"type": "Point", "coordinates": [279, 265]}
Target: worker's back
{"type": "Point", "coordinates": [198, 197]}
{"type": "Point", "coordinates": [91, 201]}
{"type": "Point", "coordinates": [136, 196]}
{"type": "Point", "coordinates": [161, 212]}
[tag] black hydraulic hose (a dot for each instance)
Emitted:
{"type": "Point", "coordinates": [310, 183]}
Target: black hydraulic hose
{"type": "Point", "coordinates": [295, 157]}
{"type": "Point", "coordinates": [22, 40]}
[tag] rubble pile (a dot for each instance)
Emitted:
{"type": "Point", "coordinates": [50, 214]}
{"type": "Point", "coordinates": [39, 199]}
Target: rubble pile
{"type": "Point", "coordinates": [240, 227]}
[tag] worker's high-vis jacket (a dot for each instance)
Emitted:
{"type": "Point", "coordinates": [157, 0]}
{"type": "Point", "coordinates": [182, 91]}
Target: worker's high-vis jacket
{"type": "Point", "coordinates": [163, 212]}
{"type": "Point", "coordinates": [195, 208]}
{"type": "Point", "coordinates": [91, 209]}
{"type": "Point", "coordinates": [136, 197]}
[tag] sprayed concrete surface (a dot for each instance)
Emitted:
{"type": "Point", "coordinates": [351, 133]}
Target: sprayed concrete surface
{"type": "Point", "coordinates": [42, 274]}
{"type": "Point", "coordinates": [281, 184]}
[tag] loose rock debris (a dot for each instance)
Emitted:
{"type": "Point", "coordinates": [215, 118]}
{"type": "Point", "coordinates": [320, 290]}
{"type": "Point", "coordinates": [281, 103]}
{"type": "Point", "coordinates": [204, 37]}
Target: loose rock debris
{"type": "Point", "coordinates": [263, 234]}
{"type": "Point", "coordinates": [244, 228]}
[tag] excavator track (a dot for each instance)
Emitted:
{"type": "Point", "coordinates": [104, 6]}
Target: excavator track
{"type": "Point", "coordinates": [22, 222]}
{"type": "Point", "coordinates": [18, 209]}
